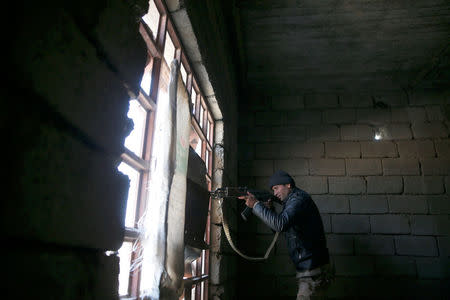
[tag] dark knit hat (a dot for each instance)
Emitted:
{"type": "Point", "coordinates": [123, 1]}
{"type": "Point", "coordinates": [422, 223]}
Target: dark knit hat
{"type": "Point", "coordinates": [280, 177]}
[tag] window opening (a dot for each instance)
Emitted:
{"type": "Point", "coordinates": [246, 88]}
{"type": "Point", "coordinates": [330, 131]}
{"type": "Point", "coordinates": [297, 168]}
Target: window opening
{"type": "Point", "coordinates": [152, 18]}
{"type": "Point", "coordinates": [135, 140]}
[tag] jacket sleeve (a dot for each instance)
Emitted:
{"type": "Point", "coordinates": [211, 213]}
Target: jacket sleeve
{"type": "Point", "coordinates": [284, 220]}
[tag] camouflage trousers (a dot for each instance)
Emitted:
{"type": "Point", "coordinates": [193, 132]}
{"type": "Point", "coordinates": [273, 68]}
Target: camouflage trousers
{"type": "Point", "coordinates": [312, 283]}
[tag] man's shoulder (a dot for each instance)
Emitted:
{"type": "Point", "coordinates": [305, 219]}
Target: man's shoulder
{"type": "Point", "coordinates": [300, 194]}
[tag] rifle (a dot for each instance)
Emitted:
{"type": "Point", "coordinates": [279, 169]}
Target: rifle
{"type": "Point", "coordinates": [234, 192]}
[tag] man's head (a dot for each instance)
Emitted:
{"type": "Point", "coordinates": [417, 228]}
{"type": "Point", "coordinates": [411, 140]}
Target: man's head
{"type": "Point", "coordinates": [281, 183]}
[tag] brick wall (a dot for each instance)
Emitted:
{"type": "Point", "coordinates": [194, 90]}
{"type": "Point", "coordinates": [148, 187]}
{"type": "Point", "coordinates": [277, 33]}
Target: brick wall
{"type": "Point", "coordinates": [385, 203]}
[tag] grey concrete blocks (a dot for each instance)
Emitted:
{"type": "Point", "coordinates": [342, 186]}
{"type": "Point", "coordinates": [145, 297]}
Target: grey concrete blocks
{"type": "Point", "coordinates": [435, 166]}
{"type": "Point", "coordinates": [269, 118]}
{"type": "Point", "coordinates": [303, 117]}
{"type": "Point", "coordinates": [433, 129]}
{"type": "Point", "coordinates": [416, 148]}
{"type": "Point", "coordinates": [357, 167]}
{"type": "Point", "coordinates": [400, 166]}
{"type": "Point", "coordinates": [433, 267]}
{"type": "Point", "coordinates": [373, 116]}
{"type": "Point", "coordinates": [443, 148]}
{"type": "Point", "coordinates": [355, 100]}
{"type": "Point", "coordinates": [357, 133]}
{"type": "Point", "coordinates": [288, 134]}
{"type": "Point", "coordinates": [326, 221]}
{"type": "Point", "coordinates": [321, 100]}
{"type": "Point", "coordinates": [378, 149]}
{"type": "Point", "coordinates": [374, 245]}
{"type": "Point", "coordinates": [389, 224]}
{"type": "Point", "coordinates": [395, 266]}
{"type": "Point", "coordinates": [323, 133]}
{"type": "Point", "coordinates": [340, 244]}
{"type": "Point", "coordinates": [424, 185]}
{"type": "Point", "coordinates": [444, 245]}
{"type": "Point", "coordinates": [292, 166]}
{"type": "Point", "coordinates": [339, 116]}
{"type": "Point", "coordinates": [342, 149]}
{"type": "Point", "coordinates": [384, 184]}
{"type": "Point", "coordinates": [287, 102]}
{"type": "Point", "coordinates": [350, 224]}
{"type": "Point", "coordinates": [434, 113]}
{"type": "Point", "coordinates": [347, 185]}
{"type": "Point", "coordinates": [368, 204]}
{"type": "Point", "coordinates": [354, 265]}
{"type": "Point", "coordinates": [408, 115]}
{"type": "Point", "coordinates": [305, 150]}
{"type": "Point", "coordinates": [430, 225]}
{"type": "Point", "coordinates": [256, 168]}
{"type": "Point", "coordinates": [408, 204]}
{"type": "Point", "coordinates": [332, 203]}
{"type": "Point", "coordinates": [312, 184]}
{"type": "Point", "coordinates": [416, 245]}
{"type": "Point", "coordinates": [439, 204]}
{"type": "Point", "coordinates": [397, 132]}
{"type": "Point", "coordinates": [327, 167]}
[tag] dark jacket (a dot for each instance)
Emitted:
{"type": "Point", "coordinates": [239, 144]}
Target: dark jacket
{"type": "Point", "coordinates": [302, 225]}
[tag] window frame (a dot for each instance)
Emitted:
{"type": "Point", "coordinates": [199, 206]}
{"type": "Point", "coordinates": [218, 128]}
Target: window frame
{"type": "Point", "coordinates": [198, 283]}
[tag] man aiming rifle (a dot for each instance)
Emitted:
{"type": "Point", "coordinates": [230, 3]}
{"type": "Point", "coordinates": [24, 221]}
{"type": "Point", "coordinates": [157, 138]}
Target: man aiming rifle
{"type": "Point", "coordinates": [302, 226]}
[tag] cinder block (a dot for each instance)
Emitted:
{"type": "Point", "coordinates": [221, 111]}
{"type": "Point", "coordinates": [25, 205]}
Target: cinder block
{"type": "Point", "coordinates": [439, 204]}
{"type": "Point", "coordinates": [397, 132]}
{"type": "Point", "coordinates": [408, 115]}
{"type": "Point", "coordinates": [327, 167]}
{"type": "Point", "coordinates": [435, 166]}
{"type": "Point", "coordinates": [363, 167]}
{"type": "Point", "coordinates": [354, 265]}
{"type": "Point", "coordinates": [312, 184]}
{"type": "Point", "coordinates": [350, 224]}
{"type": "Point", "coordinates": [392, 100]}
{"type": "Point", "coordinates": [326, 221]}
{"type": "Point", "coordinates": [426, 97]}
{"type": "Point", "coordinates": [357, 133]}
{"type": "Point", "coordinates": [354, 100]}
{"type": "Point", "coordinates": [306, 150]}
{"type": "Point", "coordinates": [447, 184]}
{"type": "Point", "coordinates": [378, 149]}
{"type": "Point", "coordinates": [412, 149]}
{"type": "Point", "coordinates": [430, 225]}
{"type": "Point", "coordinates": [288, 133]}
{"type": "Point", "coordinates": [265, 118]}
{"type": "Point", "coordinates": [256, 134]}
{"type": "Point", "coordinates": [332, 203]}
{"type": "Point", "coordinates": [401, 166]}
{"type": "Point", "coordinates": [443, 148]}
{"type": "Point", "coordinates": [256, 168]}
{"type": "Point", "coordinates": [287, 102]}
{"type": "Point", "coordinates": [293, 166]}
{"type": "Point", "coordinates": [391, 224]}
{"type": "Point", "coordinates": [246, 152]}
{"type": "Point", "coordinates": [321, 100]}
{"type": "Point", "coordinates": [384, 184]}
{"type": "Point", "coordinates": [343, 149]}
{"type": "Point", "coordinates": [424, 185]}
{"type": "Point", "coordinates": [347, 185]}
{"type": "Point", "coordinates": [433, 129]}
{"type": "Point", "coordinates": [433, 268]}
{"type": "Point", "coordinates": [258, 102]}
{"type": "Point", "coordinates": [374, 245]}
{"type": "Point", "coordinates": [395, 266]}
{"type": "Point", "coordinates": [444, 245]}
{"type": "Point", "coordinates": [303, 117]}
{"type": "Point", "coordinates": [434, 113]}
{"type": "Point", "coordinates": [339, 116]}
{"type": "Point", "coordinates": [225, 268]}
{"type": "Point", "coordinates": [267, 150]}
{"type": "Point", "coordinates": [323, 133]}
{"type": "Point", "coordinates": [373, 116]}
{"type": "Point", "coordinates": [416, 245]}
{"type": "Point", "coordinates": [408, 204]}
{"type": "Point", "coordinates": [368, 204]}
{"type": "Point", "coordinates": [340, 244]}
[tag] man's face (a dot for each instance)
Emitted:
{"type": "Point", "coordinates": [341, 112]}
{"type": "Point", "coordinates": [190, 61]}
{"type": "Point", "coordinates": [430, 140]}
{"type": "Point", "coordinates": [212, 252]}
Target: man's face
{"type": "Point", "coordinates": [281, 190]}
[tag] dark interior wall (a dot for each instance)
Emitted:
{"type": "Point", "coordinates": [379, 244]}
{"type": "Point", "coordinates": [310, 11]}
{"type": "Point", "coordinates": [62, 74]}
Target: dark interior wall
{"type": "Point", "coordinates": [384, 203]}
{"type": "Point", "coordinates": [71, 71]}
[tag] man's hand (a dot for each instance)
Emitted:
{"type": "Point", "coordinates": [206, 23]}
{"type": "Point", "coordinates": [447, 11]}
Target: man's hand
{"type": "Point", "coordinates": [250, 199]}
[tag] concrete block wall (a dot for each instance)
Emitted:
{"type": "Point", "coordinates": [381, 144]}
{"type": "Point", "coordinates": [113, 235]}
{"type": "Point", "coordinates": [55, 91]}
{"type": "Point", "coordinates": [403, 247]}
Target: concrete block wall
{"type": "Point", "coordinates": [384, 203]}
{"type": "Point", "coordinates": [72, 69]}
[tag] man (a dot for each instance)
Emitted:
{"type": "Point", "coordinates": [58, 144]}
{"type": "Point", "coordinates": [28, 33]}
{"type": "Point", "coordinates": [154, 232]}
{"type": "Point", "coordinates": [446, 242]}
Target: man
{"type": "Point", "coordinates": [302, 225]}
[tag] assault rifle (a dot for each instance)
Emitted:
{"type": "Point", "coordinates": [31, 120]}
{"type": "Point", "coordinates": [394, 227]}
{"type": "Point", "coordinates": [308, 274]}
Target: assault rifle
{"type": "Point", "coordinates": [234, 192]}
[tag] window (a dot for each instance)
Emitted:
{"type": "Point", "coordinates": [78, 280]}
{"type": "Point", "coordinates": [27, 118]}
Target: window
{"type": "Point", "coordinates": [163, 46]}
